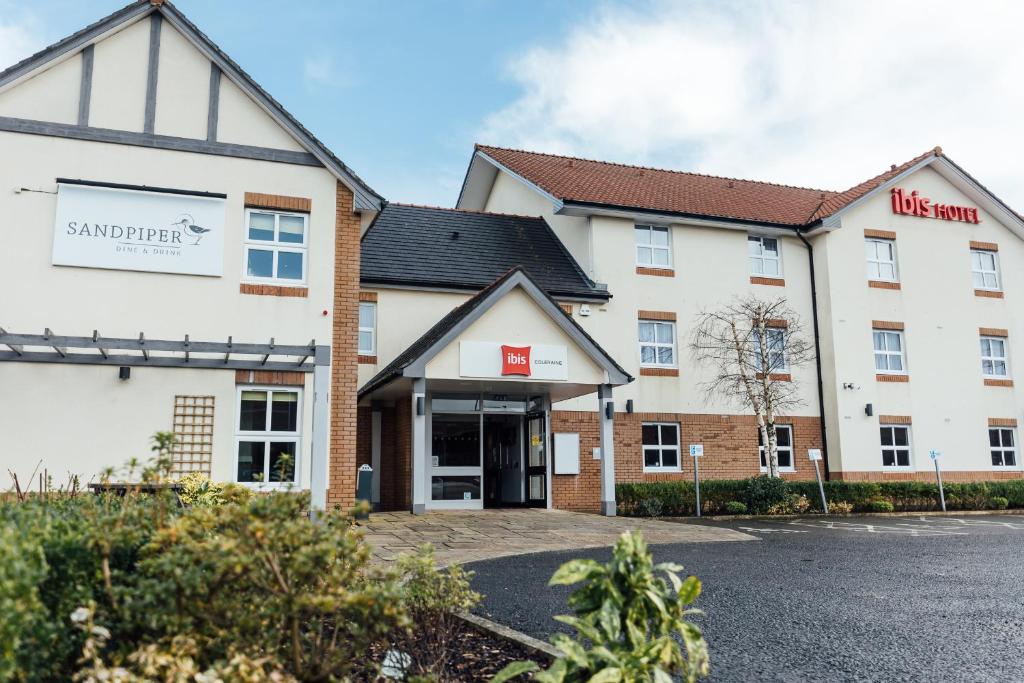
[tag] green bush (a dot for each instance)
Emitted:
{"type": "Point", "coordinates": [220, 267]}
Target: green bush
{"type": "Point", "coordinates": [999, 503]}
{"type": "Point", "coordinates": [880, 506]}
{"type": "Point", "coordinates": [629, 622]}
{"type": "Point", "coordinates": [764, 492]}
{"type": "Point", "coordinates": [735, 507]}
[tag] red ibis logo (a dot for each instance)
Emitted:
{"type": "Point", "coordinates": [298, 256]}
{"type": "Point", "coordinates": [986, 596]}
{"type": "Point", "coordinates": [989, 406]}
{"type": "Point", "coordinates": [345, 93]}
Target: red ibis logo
{"type": "Point", "coordinates": [515, 360]}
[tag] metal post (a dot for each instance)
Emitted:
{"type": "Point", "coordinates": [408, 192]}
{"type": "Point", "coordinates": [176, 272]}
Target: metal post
{"type": "Point", "coordinates": [319, 458]}
{"type": "Point", "coordinates": [938, 477]}
{"type": "Point", "coordinates": [696, 481]}
{"type": "Point", "coordinates": [607, 422]}
{"type": "Point", "coordinates": [419, 446]}
{"type": "Point", "coordinates": [821, 487]}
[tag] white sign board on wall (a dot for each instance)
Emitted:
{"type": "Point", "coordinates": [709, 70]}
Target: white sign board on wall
{"type": "Point", "coordinates": [160, 232]}
{"type": "Point", "coordinates": [567, 453]}
{"type": "Point", "coordinates": [513, 361]}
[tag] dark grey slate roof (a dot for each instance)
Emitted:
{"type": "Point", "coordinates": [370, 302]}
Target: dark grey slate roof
{"type": "Point", "coordinates": [484, 298]}
{"type": "Point", "coordinates": [428, 246]}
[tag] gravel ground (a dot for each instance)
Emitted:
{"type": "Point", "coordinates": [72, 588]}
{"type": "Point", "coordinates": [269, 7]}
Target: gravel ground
{"type": "Point", "coordinates": [864, 599]}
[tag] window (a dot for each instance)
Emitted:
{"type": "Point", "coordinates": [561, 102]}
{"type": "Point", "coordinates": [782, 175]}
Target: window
{"type": "Point", "coordinates": [1002, 445]}
{"type": "Point", "coordinates": [784, 448]}
{"type": "Point", "coordinates": [764, 256]}
{"type": "Point", "coordinates": [776, 347]}
{"type": "Point", "coordinates": [985, 268]}
{"type": "Point", "coordinates": [881, 256]}
{"type": "Point", "coordinates": [993, 357]}
{"type": "Point", "coordinates": [275, 246]}
{"type": "Point", "coordinates": [652, 248]}
{"type": "Point", "coordinates": [268, 436]}
{"type": "Point", "coordinates": [895, 446]}
{"type": "Point", "coordinates": [657, 343]}
{"type": "Point", "coordinates": [367, 328]}
{"type": "Point", "coordinates": [661, 447]}
{"type": "Point", "coordinates": [889, 356]}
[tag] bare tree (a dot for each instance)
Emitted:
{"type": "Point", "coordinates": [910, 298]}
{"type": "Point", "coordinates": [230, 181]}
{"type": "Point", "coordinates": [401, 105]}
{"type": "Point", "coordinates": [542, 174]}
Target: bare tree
{"type": "Point", "coordinates": [752, 346]}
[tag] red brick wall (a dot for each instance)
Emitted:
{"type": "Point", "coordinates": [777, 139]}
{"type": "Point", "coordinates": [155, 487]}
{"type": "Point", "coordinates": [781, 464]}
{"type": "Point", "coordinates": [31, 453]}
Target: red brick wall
{"type": "Point", "coordinates": [730, 451]}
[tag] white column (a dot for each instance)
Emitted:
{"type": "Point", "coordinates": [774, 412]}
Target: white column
{"type": "Point", "coordinates": [375, 422]}
{"type": "Point", "coordinates": [419, 446]}
{"type": "Point", "coordinates": [319, 460]}
{"type": "Point", "coordinates": [607, 407]}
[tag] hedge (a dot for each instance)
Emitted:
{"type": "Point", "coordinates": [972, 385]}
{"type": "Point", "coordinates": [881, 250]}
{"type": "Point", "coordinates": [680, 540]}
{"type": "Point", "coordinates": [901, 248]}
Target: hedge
{"type": "Point", "coordinates": [677, 499]}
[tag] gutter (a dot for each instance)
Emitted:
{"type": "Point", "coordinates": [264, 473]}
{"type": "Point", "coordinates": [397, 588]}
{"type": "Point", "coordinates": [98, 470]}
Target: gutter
{"type": "Point", "coordinates": [817, 348]}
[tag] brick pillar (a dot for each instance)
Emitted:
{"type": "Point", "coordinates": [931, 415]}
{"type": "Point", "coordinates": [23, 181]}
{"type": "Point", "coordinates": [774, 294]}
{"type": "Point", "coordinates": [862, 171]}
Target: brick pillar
{"type": "Point", "coordinates": [341, 489]}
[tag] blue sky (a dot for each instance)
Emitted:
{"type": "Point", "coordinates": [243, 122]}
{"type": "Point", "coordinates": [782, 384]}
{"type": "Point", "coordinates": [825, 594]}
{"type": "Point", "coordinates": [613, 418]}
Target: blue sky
{"type": "Point", "coordinates": [821, 93]}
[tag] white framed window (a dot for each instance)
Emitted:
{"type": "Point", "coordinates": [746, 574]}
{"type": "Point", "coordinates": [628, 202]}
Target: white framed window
{"type": "Point", "coordinates": [765, 257]}
{"type": "Point", "coordinates": [657, 343]}
{"type": "Point", "coordinates": [784, 448]}
{"type": "Point", "coordinates": [268, 436]}
{"type": "Point", "coordinates": [776, 343]}
{"type": "Point", "coordinates": [652, 246]}
{"type": "Point", "coordinates": [993, 357]}
{"type": "Point", "coordinates": [275, 246]}
{"type": "Point", "coordinates": [985, 269]}
{"type": "Point", "coordinates": [367, 328]}
{"type": "Point", "coordinates": [890, 356]}
{"type": "Point", "coordinates": [895, 446]}
{"type": "Point", "coordinates": [1002, 442]}
{"type": "Point", "coordinates": [661, 446]}
{"type": "Point", "coordinates": [881, 258]}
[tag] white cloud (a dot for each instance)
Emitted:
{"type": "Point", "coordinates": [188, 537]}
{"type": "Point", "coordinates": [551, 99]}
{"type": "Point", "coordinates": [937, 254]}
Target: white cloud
{"type": "Point", "coordinates": [320, 69]}
{"type": "Point", "coordinates": [819, 93]}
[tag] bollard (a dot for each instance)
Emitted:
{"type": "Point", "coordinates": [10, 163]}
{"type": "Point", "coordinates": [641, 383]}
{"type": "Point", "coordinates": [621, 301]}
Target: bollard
{"type": "Point", "coordinates": [364, 486]}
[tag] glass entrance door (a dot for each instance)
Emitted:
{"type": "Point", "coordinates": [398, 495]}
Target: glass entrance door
{"type": "Point", "coordinates": [536, 460]}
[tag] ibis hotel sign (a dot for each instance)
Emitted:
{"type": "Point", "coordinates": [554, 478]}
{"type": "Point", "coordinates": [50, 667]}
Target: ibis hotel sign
{"type": "Point", "coordinates": [913, 204]}
{"type": "Point", "coordinates": [127, 229]}
{"type": "Point", "coordinates": [513, 361]}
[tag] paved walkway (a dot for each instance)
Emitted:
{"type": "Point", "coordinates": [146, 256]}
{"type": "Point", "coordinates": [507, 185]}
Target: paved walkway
{"type": "Point", "coordinates": [471, 535]}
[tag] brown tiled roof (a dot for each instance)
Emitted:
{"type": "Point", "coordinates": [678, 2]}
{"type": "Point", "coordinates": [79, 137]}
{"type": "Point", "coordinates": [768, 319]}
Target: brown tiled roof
{"type": "Point", "coordinates": [597, 182]}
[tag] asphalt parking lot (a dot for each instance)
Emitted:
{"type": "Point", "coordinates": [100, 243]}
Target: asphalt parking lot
{"type": "Point", "coordinates": [852, 599]}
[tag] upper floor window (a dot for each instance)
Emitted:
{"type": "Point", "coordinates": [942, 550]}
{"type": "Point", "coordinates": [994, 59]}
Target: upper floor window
{"type": "Point", "coordinates": [764, 256]}
{"type": "Point", "coordinates": [895, 446]}
{"type": "Point", "coordinates": [1002, 445]}
{"type": "Point", "coordinates": [881, 257]}
{"type": "Point", "coordinates": [889, 353]}
{"type": "Point", "coordinates": [657, 343]}
{"type": "Point", "coordinates": [652, 246]}
{"type": "Point", "coordinates": [985, 269]}
{"type": "Point", "coordinates": [275, 246]}
{"type": "Point", "coordinates": [268, 436]}
{"type": "Point", "coordinates": [993, 357]}
{"type": "Point", "coordinates": [661, 446]}
{"type": "Point", "coordinates": [367, 328]}
{"type": "Point", "coordinates": [783, 447]}
{"type": "Point", "coordinates": [775, 348]}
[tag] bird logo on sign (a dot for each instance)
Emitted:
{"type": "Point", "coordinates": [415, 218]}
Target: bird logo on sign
{"type": "Point", "coordinates": [188, 226]}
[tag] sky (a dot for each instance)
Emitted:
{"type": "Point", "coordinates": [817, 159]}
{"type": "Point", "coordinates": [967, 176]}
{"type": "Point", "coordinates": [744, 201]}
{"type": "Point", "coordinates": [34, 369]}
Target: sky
{"type": "Point", "coordinates": [817, 93]}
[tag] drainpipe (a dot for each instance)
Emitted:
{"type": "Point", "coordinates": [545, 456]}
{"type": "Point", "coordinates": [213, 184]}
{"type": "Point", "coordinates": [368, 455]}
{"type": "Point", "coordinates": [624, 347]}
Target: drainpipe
{"type": "Point", "coordinates": [817, 348]}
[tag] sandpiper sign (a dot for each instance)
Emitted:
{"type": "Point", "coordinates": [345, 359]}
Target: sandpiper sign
{"type": "Point", "coordinates": [107, 226]}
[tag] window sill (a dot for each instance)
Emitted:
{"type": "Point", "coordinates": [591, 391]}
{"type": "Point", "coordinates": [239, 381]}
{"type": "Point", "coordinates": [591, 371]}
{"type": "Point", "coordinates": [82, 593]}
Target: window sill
{"type": "Point", "coordinates": [782, 470]}
{"type": "Point", "coordinates": [884, 284]}
{"type": "Point", "coordinates": [663, 470]}
{"type": "Point", "coordinates": [991, 382]}
{"type": "Point", "coordinates": [898, 468]}
{"type": "Point", "coordinates": [770, 281]}
{"type": "Point", "coordinates": [659, 372]}
{"type": "Point", "coordinates": [272, 290]}
{"type": "Point", "coordinates": [989, 293]}
{"type": "Point", "coordinates": [885, 377]}
{"type": "Point", "coordinates": [662, 272]}
{"type": "Point", "coordinates": [367, 360]}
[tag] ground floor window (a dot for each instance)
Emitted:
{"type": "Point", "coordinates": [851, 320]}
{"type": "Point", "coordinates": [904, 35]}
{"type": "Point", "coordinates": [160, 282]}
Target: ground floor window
{"type": "Point", "coordinates": [784, 448]}
{"type": "Point", "coordinates": [895, 446]}
{"type": "Point", "coordinates": [455, 488]}
{"type": "Point", "coordinates": [268, 435]}
{"type": "Point", "coordinates": [661, 447]}
{"type": "Point", "coordinates": [1003, 445]}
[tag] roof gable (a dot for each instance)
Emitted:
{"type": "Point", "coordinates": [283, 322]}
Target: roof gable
{"type": "Point", "coordinates": [295, 144]}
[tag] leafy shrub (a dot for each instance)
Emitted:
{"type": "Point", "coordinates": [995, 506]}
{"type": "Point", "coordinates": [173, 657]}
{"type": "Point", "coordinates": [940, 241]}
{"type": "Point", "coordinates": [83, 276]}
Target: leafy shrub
{"type": "Point", "coordinates": [880, 506]}
{"type": "Point", "coordinates": [999, 503]}
{"type": "Point", "coordinates": [793, 505]}
{"type": "Point", "coordinates": [839, 507]}
{"type": "Point", "coordinates": [650, 507]}
{"type": "Point", "coordinates": [735, 507]}
{"type": "Point", "coordinates": [761, 493]}
{"type": "Point", "coordinates": [629, 622]}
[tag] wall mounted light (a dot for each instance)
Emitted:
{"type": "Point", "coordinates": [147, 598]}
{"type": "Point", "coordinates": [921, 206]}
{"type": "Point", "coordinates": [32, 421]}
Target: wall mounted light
{"type": "Point", "coordinates": [124, 372]}
{"type": "Point", "coordinates": [609, 410]}
{"type": "Point", "coordinates": [869, 410]}
{"type": "Point", "coordinates": [629, 406]}
{"type": "Point", "coordinates": [421, 405]}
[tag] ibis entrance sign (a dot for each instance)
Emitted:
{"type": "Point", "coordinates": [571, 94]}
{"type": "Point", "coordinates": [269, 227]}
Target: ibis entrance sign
{"type": "Point", "coordinates": [128, 229]}
{"type": "Point", "coordinates": [513, 361]}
